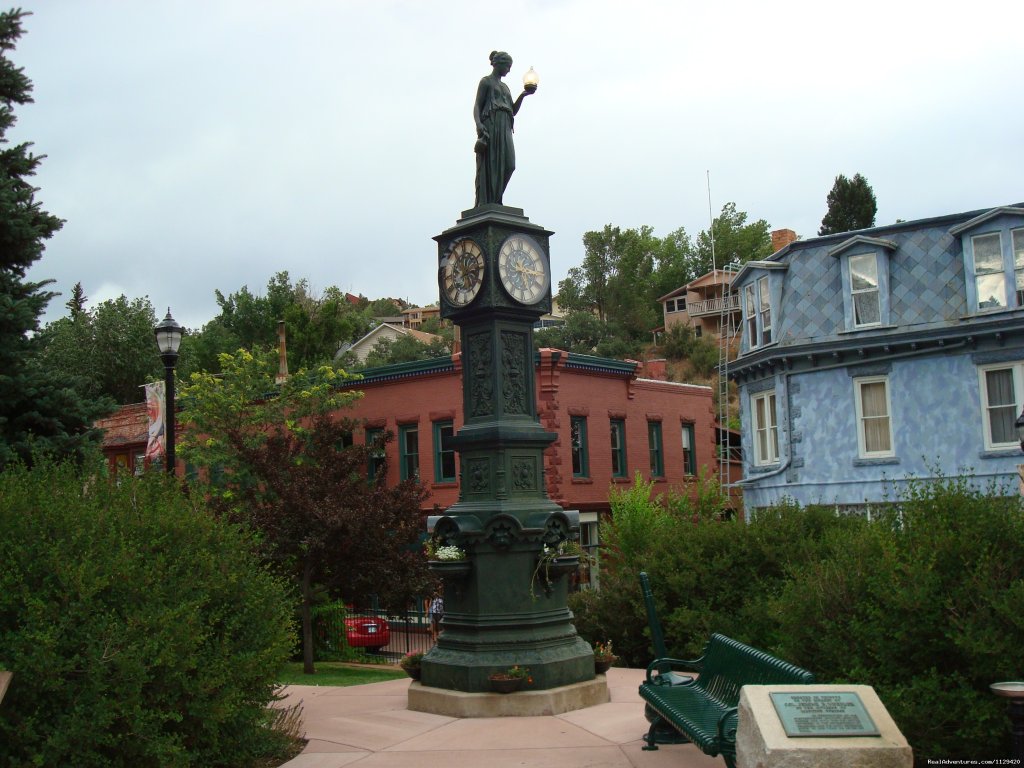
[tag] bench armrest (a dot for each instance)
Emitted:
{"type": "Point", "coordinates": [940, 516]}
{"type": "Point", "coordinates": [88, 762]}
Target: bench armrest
{"type": "Point", "coordinates": [727, 725]}
{"type": "Point", "coordinates": [658, 665]}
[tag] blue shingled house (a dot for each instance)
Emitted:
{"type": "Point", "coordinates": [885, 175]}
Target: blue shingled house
{"type": "Point", "coordinates": [889, 353]}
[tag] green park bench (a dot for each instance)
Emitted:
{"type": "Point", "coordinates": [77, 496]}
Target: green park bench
{"type": "Point", "coordinates": [664, 733]}
{"type": "Point", "coordinates": [705, 710]}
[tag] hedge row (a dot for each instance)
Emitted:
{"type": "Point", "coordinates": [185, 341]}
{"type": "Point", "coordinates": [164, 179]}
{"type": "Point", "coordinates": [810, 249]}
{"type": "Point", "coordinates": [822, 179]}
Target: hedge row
{"type": "Point", "coordinates": [140, 630]}
{"type": "Point", "coordinates": [925, 601]}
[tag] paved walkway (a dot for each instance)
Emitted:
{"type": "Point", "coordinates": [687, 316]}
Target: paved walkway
{"type": "Point", "coordinates": [369, 726]}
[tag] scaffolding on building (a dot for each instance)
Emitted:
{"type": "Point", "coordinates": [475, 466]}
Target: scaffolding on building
{"type": "Point", "coordinates": [728, 330]}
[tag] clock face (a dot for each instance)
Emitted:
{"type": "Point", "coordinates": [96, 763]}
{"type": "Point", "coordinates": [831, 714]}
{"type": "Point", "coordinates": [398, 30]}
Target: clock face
{"type": "Point", "coordinates": [462, 272]}
{"type": "Point", "coordinates": [523, 269]}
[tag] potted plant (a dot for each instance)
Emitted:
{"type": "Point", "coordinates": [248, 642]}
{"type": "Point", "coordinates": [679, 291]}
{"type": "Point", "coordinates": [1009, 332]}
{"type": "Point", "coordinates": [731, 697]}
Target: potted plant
{"type": "Point", "coordinates": [411, 664]}
{"type": "Point", "coordinates": [603, 657]}
{"type": "Point", "coordinates": [555, 561]}
{"type": "Point", "coordinates": [447, 559]}
{"type": "Point", "coordinates": [512, 679]}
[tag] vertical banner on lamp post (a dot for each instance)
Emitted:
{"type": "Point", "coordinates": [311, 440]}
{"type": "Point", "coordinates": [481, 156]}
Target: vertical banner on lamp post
{"type": "Point", "coordinates": [155, 407]}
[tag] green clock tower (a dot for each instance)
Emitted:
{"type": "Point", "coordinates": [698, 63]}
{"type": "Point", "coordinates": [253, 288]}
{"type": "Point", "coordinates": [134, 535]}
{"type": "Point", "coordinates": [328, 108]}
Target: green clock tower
{"type": "Point", "coordinates": [506, 604]}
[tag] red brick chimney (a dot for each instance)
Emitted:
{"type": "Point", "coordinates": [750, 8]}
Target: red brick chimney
{"type": "Point", "coordinates": [781, 238]}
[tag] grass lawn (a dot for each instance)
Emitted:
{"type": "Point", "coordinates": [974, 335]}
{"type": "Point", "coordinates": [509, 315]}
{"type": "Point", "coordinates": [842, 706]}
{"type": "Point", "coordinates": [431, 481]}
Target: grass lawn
{"type": "Point", "coordinates": [337, 673]}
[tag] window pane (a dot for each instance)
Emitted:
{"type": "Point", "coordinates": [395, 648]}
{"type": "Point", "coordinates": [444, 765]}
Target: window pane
{"type": "Point", "coordinates": [689, 459]}
{"type": "Point", "coordinates": [991, 290]}
{"type": "Point", "coordinates": [875, 417]}
{"type": "Point", "coordinates": [410, 447]}
{"type": "Point", "coordinates": [872, 398]}
{"type": "Point", "coordinates": [762, 286]}
{"type": "Point", "coordinates": [864, 272]}
{"type": "Point", "coordinates": [654, 446]}
{"type": "Point", "coordinates": [444, 454]}
{"type": "Point", "coordinates": [1002, 407]}
{"type": "Point", "coordinates": [618, 447]}
{"type": "Point", "coordinates": [578, 438]}
{"type": "Point", "coordinates": [766, 445]}
{"type": "Point", "coordinates": [876, 435]}
{"type": "Point", "coordinates": [1018, 248]}
{"type": "Point", "coordinates": [865, 308]}
{"type": "Point", "coordinates": [987, 253]}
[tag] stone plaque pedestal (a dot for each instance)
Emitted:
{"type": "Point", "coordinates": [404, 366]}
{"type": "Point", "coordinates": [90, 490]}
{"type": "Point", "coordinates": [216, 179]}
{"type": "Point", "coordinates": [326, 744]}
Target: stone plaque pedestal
{"type": "Point", "coordinates": [761, 740]}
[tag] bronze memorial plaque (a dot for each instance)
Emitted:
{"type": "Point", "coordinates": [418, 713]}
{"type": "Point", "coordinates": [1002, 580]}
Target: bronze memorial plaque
{"type": "Point", "coordinates": [823, 714]}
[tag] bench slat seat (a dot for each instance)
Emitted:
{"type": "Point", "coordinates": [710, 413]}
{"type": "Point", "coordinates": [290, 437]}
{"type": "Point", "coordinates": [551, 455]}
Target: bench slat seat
{"type": "Point", "coordinates": [705, 710]}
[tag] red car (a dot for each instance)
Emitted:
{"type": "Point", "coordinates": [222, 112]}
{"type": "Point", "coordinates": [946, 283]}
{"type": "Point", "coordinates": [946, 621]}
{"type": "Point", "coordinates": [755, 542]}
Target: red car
{"type": "Point", "coordinates": [367, 632]}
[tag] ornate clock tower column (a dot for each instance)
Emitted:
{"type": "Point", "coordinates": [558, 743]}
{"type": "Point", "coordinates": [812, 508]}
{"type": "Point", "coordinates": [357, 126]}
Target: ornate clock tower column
{"type": "Point", "coordinates": [507, 606]}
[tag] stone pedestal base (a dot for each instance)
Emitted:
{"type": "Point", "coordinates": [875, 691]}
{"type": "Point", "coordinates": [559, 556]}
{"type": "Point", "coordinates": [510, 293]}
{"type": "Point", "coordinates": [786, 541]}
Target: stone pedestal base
{"type": "Point", "coordinates": [552, 701]}
{"type": "Point", "coordinates": [761, 740]}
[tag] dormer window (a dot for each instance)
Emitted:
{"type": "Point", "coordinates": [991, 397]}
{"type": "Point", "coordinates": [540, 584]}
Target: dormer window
{"type": "Point", "coordinates": [764, 310]}
{"type": "Point", "coordinates": [989, 275]}
{"type": "Point", "coordinates": [1018, 263]}
{"type": "Point", "coordinates": [864, 290]}
{"type": "Point", "coordinates": [993, 267]}
{"type": "Point", "coordinates": [993, 245]}
{"type": "Point", "coordinates": [748, 304]}
{"type": "Point", "coordinates": [758, 312]}
{"type": "Point", "coordinates": [864, 266]}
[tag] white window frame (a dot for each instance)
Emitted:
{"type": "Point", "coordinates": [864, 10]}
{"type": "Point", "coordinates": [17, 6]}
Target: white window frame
{"type": "Point", "coordinates": [862, 450]}
{"type": "Point", "coordinates": [764, 310]}
{"type": "Point", "coordinates": [855, 292]}
{"type": "Point", "coordinates": [1017, 369]}
{"type": "Point", "coordinates": [751, 308]}
{"type": "Point", "coordinates": [1017, 249]}
{"type": "Point", "coordinates": [770, 453]}
{"type": "Point", "coordinates": [999, 271]}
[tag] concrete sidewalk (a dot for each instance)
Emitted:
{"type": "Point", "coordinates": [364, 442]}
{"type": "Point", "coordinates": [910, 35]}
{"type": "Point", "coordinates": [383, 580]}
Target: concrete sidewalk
{"type": "Point", "coordinates": [369, 726]}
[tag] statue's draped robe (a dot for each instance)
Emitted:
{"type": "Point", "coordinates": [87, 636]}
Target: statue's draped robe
{"type": "Point", "coordinates": [496, 162]}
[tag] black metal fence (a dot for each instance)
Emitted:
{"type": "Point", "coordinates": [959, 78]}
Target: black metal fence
{"type": "Point", "coordinates": [408, 631]}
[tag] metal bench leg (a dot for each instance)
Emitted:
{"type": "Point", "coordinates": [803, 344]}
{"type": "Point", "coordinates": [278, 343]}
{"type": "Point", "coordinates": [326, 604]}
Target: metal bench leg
{"type": "Point", "coordinates": [651, 737]}
{"type": "Point", "coordinates": [660, 731]}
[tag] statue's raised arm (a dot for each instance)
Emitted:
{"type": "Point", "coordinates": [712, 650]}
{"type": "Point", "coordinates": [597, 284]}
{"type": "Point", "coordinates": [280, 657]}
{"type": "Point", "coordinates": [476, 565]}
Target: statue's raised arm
{"type": "Point", "coordinates": [493, 112]}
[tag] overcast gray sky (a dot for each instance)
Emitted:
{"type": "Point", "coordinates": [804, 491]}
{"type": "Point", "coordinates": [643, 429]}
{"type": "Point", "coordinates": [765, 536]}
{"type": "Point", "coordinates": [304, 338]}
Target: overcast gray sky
{"type": "Point", "coordinates": [201, 145]}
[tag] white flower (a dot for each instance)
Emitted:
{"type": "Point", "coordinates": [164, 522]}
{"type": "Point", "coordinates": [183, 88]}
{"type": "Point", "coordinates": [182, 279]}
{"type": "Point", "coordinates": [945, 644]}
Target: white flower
{"type": "Point", "coordinates": [450, 552]}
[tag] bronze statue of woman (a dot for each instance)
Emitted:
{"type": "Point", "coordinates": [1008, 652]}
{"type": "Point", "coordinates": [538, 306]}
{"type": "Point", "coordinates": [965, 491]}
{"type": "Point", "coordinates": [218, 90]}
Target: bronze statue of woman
{"type": "Point", "coordinates": [493, 112]}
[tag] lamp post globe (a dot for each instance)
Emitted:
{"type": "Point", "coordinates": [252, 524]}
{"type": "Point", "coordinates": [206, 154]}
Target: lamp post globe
{"type": "Point", "coordinates": [168, 339]}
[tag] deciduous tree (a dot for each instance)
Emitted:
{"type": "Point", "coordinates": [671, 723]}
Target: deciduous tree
{"type": "Point", "coordinates": [109, 348]}
{"type": "Point", "coordinates": [282, 460]}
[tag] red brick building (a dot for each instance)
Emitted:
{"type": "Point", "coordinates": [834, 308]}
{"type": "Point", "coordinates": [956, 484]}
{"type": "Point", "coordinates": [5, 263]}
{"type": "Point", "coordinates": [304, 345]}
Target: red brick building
{"type": "Point", "coordinates": [611, 421]}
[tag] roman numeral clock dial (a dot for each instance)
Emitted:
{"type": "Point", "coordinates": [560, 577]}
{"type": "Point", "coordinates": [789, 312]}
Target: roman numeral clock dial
{"type": "Point", "coordinates": [462, 272]}
{"type": "Point", "coordinates": [523, 269]}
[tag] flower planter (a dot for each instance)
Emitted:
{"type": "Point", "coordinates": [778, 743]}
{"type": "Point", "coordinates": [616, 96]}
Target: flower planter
{"type": "Point", "coordinates": [413, 672]}
{"type": "Point", "coordinates": [451, 569]}
{"type": "Point", "coordinates": [505, 684]}
{"type": "Point", "coordinates": [602, 665]}
{"type": "Point", "coordinates": [560, 566]}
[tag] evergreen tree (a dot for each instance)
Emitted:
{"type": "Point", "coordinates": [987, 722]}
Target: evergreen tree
{"type": "Point", "coordinates": [76, 304]}
{"type": "Point", "coordinates": [851, 205]}
{"type": "Point", "coordinates": [40, 410]}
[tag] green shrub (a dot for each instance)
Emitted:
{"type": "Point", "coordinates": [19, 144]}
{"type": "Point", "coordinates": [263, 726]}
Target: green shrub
{"type": "Point", "coordinates": [925, 602]}
{"type": "Point", "coordinates": [141, 631]}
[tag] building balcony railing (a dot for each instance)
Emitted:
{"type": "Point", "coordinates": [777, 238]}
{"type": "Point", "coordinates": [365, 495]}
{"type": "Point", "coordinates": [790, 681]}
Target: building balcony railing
{"type": "Point", "coordinates": [713, 306]}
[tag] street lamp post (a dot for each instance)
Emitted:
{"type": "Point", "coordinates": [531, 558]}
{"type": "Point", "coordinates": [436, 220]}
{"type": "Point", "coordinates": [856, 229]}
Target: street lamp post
{"type": "Point", "coordinates": [168, 339]}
